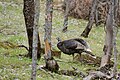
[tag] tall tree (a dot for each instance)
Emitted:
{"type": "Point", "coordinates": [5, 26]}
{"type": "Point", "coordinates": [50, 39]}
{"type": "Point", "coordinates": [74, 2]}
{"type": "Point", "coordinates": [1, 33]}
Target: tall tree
{"type": "Point", "coordinates": [110, 44]}
{"type": "Point", "coordinates": [51, 64]}
{"type": "Point", "coordinates": [93, 14]}
{"type": "Point", "coordinates": [35, 38]}
{"type": "Point", "coordinates": [48, 26]}
{"type": "Point", "coordinates": [108, 47]}
{"type": "Point", "coordinates": [115, 24]}
{"type": "Point", "coordinates": [29, 21]}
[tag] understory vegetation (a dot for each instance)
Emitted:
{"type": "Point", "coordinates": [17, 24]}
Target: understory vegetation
{"type": "Point", "coordinates": [14, 66]}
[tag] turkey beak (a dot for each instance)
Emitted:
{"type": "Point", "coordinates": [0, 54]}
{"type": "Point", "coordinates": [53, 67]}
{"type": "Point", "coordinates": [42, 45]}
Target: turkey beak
{"type": "Point", "coordinates": [59, 40]}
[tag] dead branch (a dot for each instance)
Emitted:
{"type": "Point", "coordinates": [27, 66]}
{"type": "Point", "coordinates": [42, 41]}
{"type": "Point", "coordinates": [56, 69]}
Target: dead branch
{"type": "Point", "coordinates": [91, 60]}
{"type": "Point", "coordinates": [97, 75]}
{"type": "Point", "coordinates": [71, 73]}
{"type": "Point", "coordinates": [23, 47]}
{"type": "Point", "coordinates": [7, 44]}
{"type": "Point", "coordinates": [74, 72]}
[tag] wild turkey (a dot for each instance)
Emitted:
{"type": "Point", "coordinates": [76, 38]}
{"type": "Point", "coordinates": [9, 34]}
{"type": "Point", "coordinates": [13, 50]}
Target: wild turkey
{"type": "Point", "coordinates": [72, 46]}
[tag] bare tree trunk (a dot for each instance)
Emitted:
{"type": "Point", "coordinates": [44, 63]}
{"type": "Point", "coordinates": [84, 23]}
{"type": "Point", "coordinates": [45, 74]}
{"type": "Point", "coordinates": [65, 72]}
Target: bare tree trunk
{"type": "Point", "coordinates": [35, 38]}
{"type": "Point", "coordinates": [51, 64]}
{"type": "Point", "coordinates": [69, 5]}
{"type": "Point", "coordinates": [91, 19]}
{"type": "Point", "coordinates": [96, 17]}
{"type": "Point", "coordinates": [108, 47]}
{"type": "Point", "coordinates": [29, 21]}
{"type": "Point", "coordinates": [115, 24]}
{"type": "Point", "coordinates": [48, 26]}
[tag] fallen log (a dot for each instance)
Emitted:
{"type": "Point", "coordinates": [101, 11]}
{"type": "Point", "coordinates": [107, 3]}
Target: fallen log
{"type": "Point", "coordinates": [90, 60]}
{"type": "Point", "coordinates": [97, 75]}
{"type": "Point", "coordinates": [74, 72]}
{"type": "Point", "coordinates": [7, 45]}
{"type": "Point", "coordinates": [10, 45]}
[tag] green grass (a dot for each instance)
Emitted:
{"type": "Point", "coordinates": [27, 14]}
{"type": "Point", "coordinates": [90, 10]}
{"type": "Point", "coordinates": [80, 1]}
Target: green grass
{"type": "Point", "coordinates": [12, 29]}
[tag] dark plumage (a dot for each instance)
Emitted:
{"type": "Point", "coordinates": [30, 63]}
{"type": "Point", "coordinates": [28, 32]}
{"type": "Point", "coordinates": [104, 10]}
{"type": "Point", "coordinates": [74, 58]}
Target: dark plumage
{"type": "Point", "coordinates": [72, 46]}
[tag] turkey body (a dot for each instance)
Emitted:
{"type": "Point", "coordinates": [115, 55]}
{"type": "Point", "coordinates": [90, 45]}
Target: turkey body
{"type": "Point", "coordinates": [72, 46]}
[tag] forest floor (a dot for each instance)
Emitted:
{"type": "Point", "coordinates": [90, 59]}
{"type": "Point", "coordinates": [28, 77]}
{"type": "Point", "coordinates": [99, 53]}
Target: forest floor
{"type": "Point", "coordinates": [12, 30]}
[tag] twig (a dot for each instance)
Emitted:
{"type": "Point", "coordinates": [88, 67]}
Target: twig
{"type": "Point", "coordinates": [23, 47]}
{"type": "Point", "coordinates": [42, 68]}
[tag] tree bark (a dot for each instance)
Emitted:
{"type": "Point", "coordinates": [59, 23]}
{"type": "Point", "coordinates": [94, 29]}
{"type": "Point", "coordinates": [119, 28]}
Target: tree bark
{"type": "Point", "coordinates": [28, 12]}
{"type": "Point", "coordinates": [35, 38]}
{"type": "Point", "coordinates": [108, 47]}
{"type": "Point", "coordinates": [51, 64]}
{"type": "Point", "coordinates": [115, 24]}
{"type": "Point", "coordinates": [69, 5]}
{"type": "Point", "coordinates": [88, 28]}
{"type": "Point", "coordinates": [48, 26]}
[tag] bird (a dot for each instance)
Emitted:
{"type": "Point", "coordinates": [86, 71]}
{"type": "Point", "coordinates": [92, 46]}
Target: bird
{"type": "Point", "coordinates": [72, 46]}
